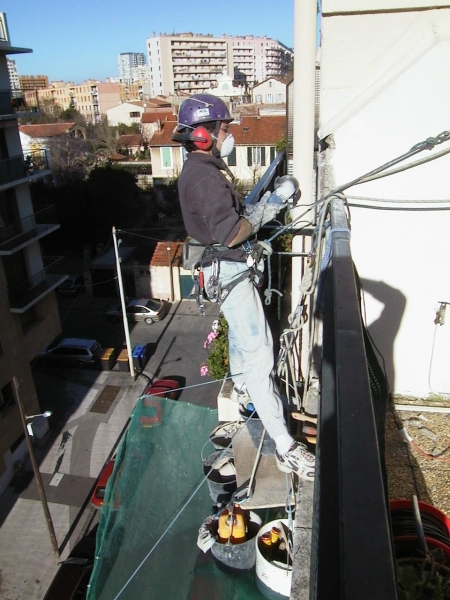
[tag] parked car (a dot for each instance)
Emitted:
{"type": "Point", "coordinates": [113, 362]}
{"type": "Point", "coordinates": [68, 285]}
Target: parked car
{"type": "Point", "coordinates": [140, 309]}
{"type": "Point", "coordinates": [72, 578]}
{"type": "Point", "coordinates": [167, 388]}
{"type": "Point", "coordinates": [71, 352]}
{"type": "Point", "coordinates": [72, 286]}
{"type": "Point", "coordinates": [98, 494]}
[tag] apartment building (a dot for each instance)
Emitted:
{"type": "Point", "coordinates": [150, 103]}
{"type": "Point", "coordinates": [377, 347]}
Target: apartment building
{"type": "Point", "coordinates": [187, 63]}
{"type": "Point", "coordinates": [13, 74]}
{"type": "Point", "coordinates": [128, 61]}
{"type": "Point", "coordinates": [258, 58]}
{"type": "Point", "coordinates": [33, 82]}
{"type": "Point", "coordinates": [92, 98]}
{"type": "Point", "coordinates": [190, 63]}
{"type": "Point", "coordinates": [28, 311]}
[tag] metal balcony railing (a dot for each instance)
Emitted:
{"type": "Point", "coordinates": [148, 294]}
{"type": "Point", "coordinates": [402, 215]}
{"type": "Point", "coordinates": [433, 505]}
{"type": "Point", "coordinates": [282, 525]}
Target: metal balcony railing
{"type": "Point", "coordinates": [19, 167]}
{"type": "Point", "coordinates": [40, 223]}
{"type": "Point", "coordinates": [351, 553]}
{"type": "Point", "coordinates": [28, 292]}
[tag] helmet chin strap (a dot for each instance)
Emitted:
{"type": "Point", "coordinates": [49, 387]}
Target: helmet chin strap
{"type": "Point", "coordinates": [215, 137]}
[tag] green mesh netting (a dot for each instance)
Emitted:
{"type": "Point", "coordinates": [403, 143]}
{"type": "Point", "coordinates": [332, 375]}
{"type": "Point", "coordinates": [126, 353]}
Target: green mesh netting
{"type": "Point", "coordinates": [155, 502]}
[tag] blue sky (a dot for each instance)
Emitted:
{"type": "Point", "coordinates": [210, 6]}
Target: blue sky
{"type": "Point", "coordinates": [78, 40]}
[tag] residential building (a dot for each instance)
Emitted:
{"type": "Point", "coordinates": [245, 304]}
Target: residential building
{"type": "Point", "coordinates": [269, 91]}
{"type": "Point", "coordinates": [33, 82]}
{"type": "Point", "coordinates": [126, 113]}
{"type": "Point", "coordinates": [187, 63]}
{"type": "Point", "coordinates": [256, 138]}
{"type": "Point", "coordinates": [28, 311]}
{"type": "Point", "coordinates": [128, 61]}
{"type": "Point", "coordinates": [257, 58]}
{"type": "Point", "coordinates": [13, 74]}
{"type": "Point", "coordinates": [92, 98]}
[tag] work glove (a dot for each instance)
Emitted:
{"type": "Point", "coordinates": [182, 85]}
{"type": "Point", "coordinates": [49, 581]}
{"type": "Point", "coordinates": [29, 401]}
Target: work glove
{"type": "Point", "coordinates": [286, 188]}
{"type": "Point", "coordinates": [262, 212]}
{"type": "Point", "coordinates": [206, 537]}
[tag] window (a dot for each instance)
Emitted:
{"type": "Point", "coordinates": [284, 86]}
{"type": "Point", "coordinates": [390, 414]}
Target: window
{"type": "Point", "coordinates": [269, 98]}
{"type": "Point", "coordinates": [258, 98]}
{"type": "Point", "coordinates": [272, 153]}
{"type": "Point", "coordinates": [256, 156]}
{"type": "Point", "coordinates": [134, 115]}
{"type": "Point", "coordinates": [166, 158]}
{"type": "Point", "coordinates": [232, 158]}
{"type": "Point", "coordinates": [7, 399]}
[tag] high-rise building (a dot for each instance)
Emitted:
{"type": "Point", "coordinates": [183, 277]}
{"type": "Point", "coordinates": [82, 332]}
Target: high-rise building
{"type": "Point", "coordinates": [258, 58]}
{"type": "Point", "coordinates": [13, 74]}
{"type": "Point", "coordinates": [127, 62]}
{"type": "Point", "coordinates": [187, 63]}
{"type": "Point", "coordinates": [28, 311]}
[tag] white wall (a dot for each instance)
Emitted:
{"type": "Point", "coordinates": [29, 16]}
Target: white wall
{"type": "Point", "coordinates": [386, 87]}
{"type": "Point", "coordinates": [121, 114]}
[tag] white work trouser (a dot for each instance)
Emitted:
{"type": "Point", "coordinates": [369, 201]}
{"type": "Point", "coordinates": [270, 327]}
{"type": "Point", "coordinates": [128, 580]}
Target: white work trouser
{"type": "Point", "coordinates": [250, 347]}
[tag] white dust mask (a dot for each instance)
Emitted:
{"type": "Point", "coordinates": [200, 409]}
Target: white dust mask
{"type": "Point", "coordinates": [227, 146]}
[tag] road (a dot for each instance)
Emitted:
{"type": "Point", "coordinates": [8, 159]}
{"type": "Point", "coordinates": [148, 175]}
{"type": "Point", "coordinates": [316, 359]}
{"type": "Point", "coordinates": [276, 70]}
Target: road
{"type": "Point", "coordinates": [81, 439]}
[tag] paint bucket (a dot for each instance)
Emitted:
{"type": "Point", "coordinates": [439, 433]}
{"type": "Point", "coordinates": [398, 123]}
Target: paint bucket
{"type": "Point", "coordinates": [273, 579]}
{"type": "Point", "coordinates": [221, 475]}
{"type": "Point", "coordinates": [234, 558]}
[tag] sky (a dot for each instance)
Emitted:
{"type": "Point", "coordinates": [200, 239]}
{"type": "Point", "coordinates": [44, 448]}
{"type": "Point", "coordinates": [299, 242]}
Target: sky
{"type": "Point", "coordinates": [77, 40]}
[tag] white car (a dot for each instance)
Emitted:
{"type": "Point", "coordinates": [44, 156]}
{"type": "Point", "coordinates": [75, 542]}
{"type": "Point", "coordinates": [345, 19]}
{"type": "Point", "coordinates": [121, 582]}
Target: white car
{"type": "Point", "coordinates": [148, 310]}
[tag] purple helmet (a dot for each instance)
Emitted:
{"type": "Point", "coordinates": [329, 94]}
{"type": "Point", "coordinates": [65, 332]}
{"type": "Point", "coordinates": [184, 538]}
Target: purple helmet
{"type": "Point", "coordinates": [202, 108]}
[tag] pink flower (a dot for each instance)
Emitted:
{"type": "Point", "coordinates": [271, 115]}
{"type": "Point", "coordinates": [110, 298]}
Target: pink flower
{"type": "Point", "coordinates": [204, 370]}
{"type": "Point", "coordinates": [211, 336]}
{"type": "Point", "coordinates": [205, 344]}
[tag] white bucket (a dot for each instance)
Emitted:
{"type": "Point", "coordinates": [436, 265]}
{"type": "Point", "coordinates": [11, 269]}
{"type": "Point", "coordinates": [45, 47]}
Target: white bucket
{"type": "Point", "coordinates": [273, 581]}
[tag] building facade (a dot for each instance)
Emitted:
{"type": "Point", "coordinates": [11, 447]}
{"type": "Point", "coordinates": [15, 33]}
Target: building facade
{"type": "Point", "coordinates": [13, 74]}
{"type": "Point", "coordinates": [33, 82]}
{"type": "Point", "coordinates": [256, 59]}
{"type": "Point", "coordinates": [187, 63]}
{"type": "Point", "coordinates": [28, 311]}
{"type": "Point", "coordinates": [92, 99]}
{"type": "Point", "coordinates": [128, 61]}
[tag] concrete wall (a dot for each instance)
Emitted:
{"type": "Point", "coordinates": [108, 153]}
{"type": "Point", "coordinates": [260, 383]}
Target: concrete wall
{"type": "Point", "coordinates": [385, 86]}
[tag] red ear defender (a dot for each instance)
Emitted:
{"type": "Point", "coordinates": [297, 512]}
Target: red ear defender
{"type": "Point", "coordinates": [202, 138]}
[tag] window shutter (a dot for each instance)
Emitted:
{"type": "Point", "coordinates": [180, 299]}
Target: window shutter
{"type": "Point", "coordinates": [249, 156]}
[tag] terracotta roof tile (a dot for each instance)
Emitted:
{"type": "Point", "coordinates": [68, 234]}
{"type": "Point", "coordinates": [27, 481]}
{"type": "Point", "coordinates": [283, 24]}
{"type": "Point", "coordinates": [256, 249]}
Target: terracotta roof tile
{"type": "Point", "coordinates": [164, 137]}
{"type": "Point", "coordinates": [163, 114]}
{"type": "Point", "coordinates": [130, 139]}
{"type": "Point", "coordinates": [160, 256]}
{"type": "Point", "coordinates": [259, 131]}
{"type": "Point", "coordinates": [45, 130]}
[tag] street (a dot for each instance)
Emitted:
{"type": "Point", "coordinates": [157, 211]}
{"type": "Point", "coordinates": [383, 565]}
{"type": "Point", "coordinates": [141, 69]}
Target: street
{"type": "Point", "coordinates": [83, 434]}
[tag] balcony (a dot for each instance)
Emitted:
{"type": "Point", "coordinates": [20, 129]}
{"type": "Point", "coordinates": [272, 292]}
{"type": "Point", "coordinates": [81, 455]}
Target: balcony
{"type": "Point", "coordinates": [15, 236]}
{"type": "Point", "coordinates": [21, 168]}
{"type": "Point", "coordinates": [30, 291]}
{"type": "Point", "coordinates": [18, 103]}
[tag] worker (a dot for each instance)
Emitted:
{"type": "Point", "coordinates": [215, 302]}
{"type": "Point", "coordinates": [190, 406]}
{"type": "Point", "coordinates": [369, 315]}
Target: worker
{"type": "Point", "coordinates": [225, 234]}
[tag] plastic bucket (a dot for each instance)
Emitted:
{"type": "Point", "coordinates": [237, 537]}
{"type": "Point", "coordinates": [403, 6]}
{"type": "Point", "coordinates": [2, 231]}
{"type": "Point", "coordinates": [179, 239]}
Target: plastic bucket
{"type": "Point", "coordinates": [273, 581]}
{"type": "Point", "coordinates": [239, 557]}
{"type": "Point", "coordinates": [221, 475]}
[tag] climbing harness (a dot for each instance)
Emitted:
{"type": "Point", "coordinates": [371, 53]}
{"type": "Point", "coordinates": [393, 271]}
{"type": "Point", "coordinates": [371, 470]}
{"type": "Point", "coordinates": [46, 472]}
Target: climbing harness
{"type": "Point", "coordinates": [213, 290]}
